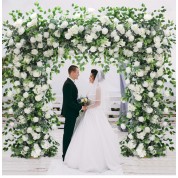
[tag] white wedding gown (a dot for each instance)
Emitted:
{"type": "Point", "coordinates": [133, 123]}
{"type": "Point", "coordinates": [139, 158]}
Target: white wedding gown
{"type": "Point", "coordinates": [94, 146]}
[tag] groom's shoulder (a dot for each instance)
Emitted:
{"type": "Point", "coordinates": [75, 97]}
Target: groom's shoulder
{"type": "Point", "coordinates": [67, 82]}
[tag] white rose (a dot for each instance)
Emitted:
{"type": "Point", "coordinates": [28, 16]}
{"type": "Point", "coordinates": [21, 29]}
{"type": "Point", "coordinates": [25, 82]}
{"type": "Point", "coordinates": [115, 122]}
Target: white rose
{"type": "Point", "coordinates": [149, 50]}
{"type": "Point", "coordinates": [166, 110]}
{"type": "Point", "coordinates": [31, 85]}
{"type": "Point", "coordinates": [51, 26]}
{"type": "Point", "coordinates": [145, 84]}
{"type": "Point", "coordinates": [147, 130]}
{"type": "Point", "coordinates": [38, 97]}
{"type": "Point", "coordinates": [149, 110]}
{"type": "Point", "coordinates": [39, 64]}
{"type": "Point", "coordinates": [16, 83]}
{"type": "Point", "coordinates": [29, 130]}
{"type": "Point", "coordinates": [138, 129]}
{"type": "Point", "coordinates": [153, 75]}
{"type": "Point", "coordinates": [35, 119]}
{"type": "Point", "coordinates": [129, 115]}
{"type": "Point", "coordinates": [148, 17]}
{"type": "Point", "coordinates": [34, 52]}
{"type": "Point", "coordinates": [104, 31]}
{"type": "Point", "coordinates": [40, 45]}
{"type": "Point", "coordinates": [93, 49]}
{"type": "Point", "coordinates": [11, 42]}
{"type": "Point", "coordinates": [152, 137]}
{"type": "Point", "coordinates": [68, 36]}
{"type": "Point", "coordinates": [156, 104]}
{"type": "Point", "coordinates": [151, 94]}
{"type": "Point", "coordinates": [9, 33]}
{"type": "Point", "coordinates": [33, 16]}
{"type": "Point", "coordinates": [25, 95]}
{"type": "Point", "coordinates": [55, 44]}
{"type": "Point", "coordinates": [46, 34]}
{"type": "Point", "coordinates": [10, 111]}
{"type": "Point", "coordinates": [159, 82]}
{"type": "Point", "coordinates": [140, 73]}
{"type": "Point", "coordinates": [10, 94]}
{"type": "Point", "coordinates": [23, 75]}
{"type": "Point", "coordinates": [16, 51]}
{"type": "Point", "coordinates": [138, 97]}
{"type": "Point", "coordinates": [36, 73]}
{"type": "Point", "coordinates": [38, 129]}
{"type": "Point", "coordinates": [159, 50]}
{"type": "Point", "coordinates": [131, 38]}
{"type": "Point", "coordinates": [47, 115]}
{"type": "Point", "coordinates": [32, 39]}
{"type": "Point", "coordinates": [127, 81]}
{"type": "Point", "coordinates": [39, 38]}
{"type": "Point", "coordinates": [64, 24]}
{"type": "Point", "coordinates": [141, 119]}
{"type": "Point", "coordinates": [26, 148]}
{"type": "Point", "coordinates": [167, 33]}
{"type": "Point", "coordinates": [164, 124]}
{"type": "Point", "coordinates": [139, 44]}
{"type": "Point", "coordinates": [20, 104]}
{"type": "Point", "coordinates": [21, 30]}
{"type": "Point", "coordinates": [18, 23]}
{"type": "Point", "coordinates": [128, 70]}
{"type": "Point", "coordinates": [27, 110]}
{"type": "Point", "coordinates": [25, 137]}
{"type": "Point", "coordinates": [48, 69]}
{"type": "Point", "coordinates": [123, 127]}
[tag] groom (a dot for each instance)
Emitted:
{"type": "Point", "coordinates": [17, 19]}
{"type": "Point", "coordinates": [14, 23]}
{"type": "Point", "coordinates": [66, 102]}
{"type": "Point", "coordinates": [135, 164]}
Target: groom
{"type": "Point", "coordinates": [71, 107]}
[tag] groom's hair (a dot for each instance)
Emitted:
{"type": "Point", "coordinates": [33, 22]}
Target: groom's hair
{"type": "Point", "coordinates": [94, 72]}
{"type": "Point", "coordinates": [72, 68]}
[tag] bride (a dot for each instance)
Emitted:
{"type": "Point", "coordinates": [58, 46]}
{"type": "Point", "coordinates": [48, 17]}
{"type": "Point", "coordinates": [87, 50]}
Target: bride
{"type": "Point", "coordinates": [94, 146]}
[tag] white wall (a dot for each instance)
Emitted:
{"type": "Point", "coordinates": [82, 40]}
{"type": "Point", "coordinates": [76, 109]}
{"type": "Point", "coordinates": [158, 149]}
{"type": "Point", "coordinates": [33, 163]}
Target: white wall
{"type": "Point", "coordinates": [112, 78]}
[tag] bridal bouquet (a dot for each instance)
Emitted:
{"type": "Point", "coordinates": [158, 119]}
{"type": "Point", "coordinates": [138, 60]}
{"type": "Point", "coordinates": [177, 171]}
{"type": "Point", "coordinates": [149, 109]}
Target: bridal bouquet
{"type": "Point", "coordinates": [84, 101]}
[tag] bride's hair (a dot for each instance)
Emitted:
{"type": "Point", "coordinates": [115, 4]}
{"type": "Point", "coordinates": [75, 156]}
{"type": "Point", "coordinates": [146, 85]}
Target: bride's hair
{"type": "Point", "coordinates": [94, 72]}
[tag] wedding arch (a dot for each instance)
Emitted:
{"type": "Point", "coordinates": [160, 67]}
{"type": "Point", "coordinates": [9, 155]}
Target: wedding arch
{"type": "Point", "coordinates": [138, 43]}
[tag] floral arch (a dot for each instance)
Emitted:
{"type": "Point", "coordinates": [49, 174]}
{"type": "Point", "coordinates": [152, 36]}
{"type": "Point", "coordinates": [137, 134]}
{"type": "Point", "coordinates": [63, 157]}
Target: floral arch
{"type": "Point", "coordinates": [138, 43]}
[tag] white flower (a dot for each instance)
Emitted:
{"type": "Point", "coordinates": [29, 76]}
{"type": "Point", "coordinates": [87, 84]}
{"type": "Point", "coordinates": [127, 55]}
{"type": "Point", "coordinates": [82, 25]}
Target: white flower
{"type": "Point", "coordinates": [120, 28]}
{"type": "Point", "coordinates": [140, 73]}
{"type": "Point", "coordinates": [166, 110]}
{"type": "Point", "coordinates": [11, 42]}
{"type": "Point", "coordinates": [139, 44]}
{"type": "Point", "coordinates": [38, 97]}
{"type": "Point", "coordinates": [138, 129]}
{"type": "Point", "coordinates": [64, 24]}
{"type": "Point", "coordinates": [25, 95]}
{"type": "Point", "coordinates": [9, 33]}
{"type": "Point", "coordinates": [150, 94]}
{"type": "Point", "coordinates": [10, 94]}
{"type": "Point", "coordinates": [34, 52]}
{"type": "Point", "coordinates": [31, 84]}
{"type": "Point", "coordinates": [159, 50]}
{"type": "Point", "coordinates": [159, 82]}
{"type": "Point", "coordinates": [149, 50]}
{"type": "Point", "coordinates": [32, 39]}
{"type": "Point", "coordinates": [129, 115]}
{"type": "Point", "coordinates": [47, 115]}
{"type": "Point", "coordinates": [29, 130]}
{"type": "Point", "coordinates": [149, 110]}
{"type": "Point", "coordinates": [40, 45]}
{"type": "Point", "coordinates": [25, 148]}
{"type": "Point", "coordinates": [20, 104]}
{"type": "Point", "coordinates": [55, 44]}
{"type": "Point", "coordinates": [10, 111]}
{"type": "Point", "coordinates": [16, 51]}
{"type": "Point", "coordinates": [18, 23]}
{"type": "Point", "coordinates": [141, 119]}
{"type": "Point", "coordinates": [148, 17]}
{"type": "Point", "coordinates": [138, 97]}
{"type": "Point", "coordinates": [39, 64]}
{"type": "Point", "coordinates": [25, 137]}
{"type": "Point", "coordinates": [128, 70]}
{"type": "Point", "coordinates": [147, 130]}
{"type": "Point", "coordinates": [35, 119]}
{"type": "Point", "coordinates": [131, 144]}
{"type": "Point", "coordinates": [36, 73]}
{"type": "Point", "coordinates": [51, 26]}
{"type": "Point", "coordinates": [156, 104]}
{"type": "Point", "coordinates": [104, 31]}
{"type": "Point", "coordinates": [167, 33]}
{"type": "Point", "coordinates": [152, 137]}
{"type": "Point", "coordinates": [145, 84]}
{"type": "Point", "coordinates": [27, 110]}
{"type": "Point", "coordinates": [46, 34]}
{"type": "Point", "coordinates": [127, 81]}
{"type": "Point", "coordinates": [33, 16]}
{"type": "Point", "coordinates": [21, 30]}
{"type": "Point", "coordinates": [141, 135]}
{"type": "Point", "coordinates": [130, 136]}
{"type": "Point", "coordinates": [68, 36]}
{"type": "Point", "coordinates": [153, 75]}
{"type": "Point", "coordinates": [166, 93]}
{"type": "Point", "coordinates": [38, 129]}
{"type": "Point", "coordinates": [123, 127]}
{"type": "Point", "coordinates": [131, 38]}
{"type": "Point", "coordinates": [93, 49]}
{"type": "Point", "coordinates": [23, 75]}
{"type": "Point", "coordinates": [48, 69]}
{"type": "Point", "coordinates": [39, 38]}
{"type": "Point", "coordinates": [16, 83]}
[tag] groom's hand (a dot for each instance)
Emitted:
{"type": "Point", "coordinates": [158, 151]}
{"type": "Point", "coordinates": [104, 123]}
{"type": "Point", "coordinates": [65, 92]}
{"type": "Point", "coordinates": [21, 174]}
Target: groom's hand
{"type": "Point", "coordinates": [84, 108]}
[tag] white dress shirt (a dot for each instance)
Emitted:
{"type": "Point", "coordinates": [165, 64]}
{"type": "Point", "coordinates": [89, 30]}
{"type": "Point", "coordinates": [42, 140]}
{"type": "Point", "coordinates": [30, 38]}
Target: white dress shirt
{"type": "Point", "coordinates": [72, 79]}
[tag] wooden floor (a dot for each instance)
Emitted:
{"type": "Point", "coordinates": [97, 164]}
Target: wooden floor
{"type": "Point", "coordinates": [54, 166]}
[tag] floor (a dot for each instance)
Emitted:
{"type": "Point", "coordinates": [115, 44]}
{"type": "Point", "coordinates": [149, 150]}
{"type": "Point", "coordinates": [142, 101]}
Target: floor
{"type": "Point", "coordinates": [54, 166]}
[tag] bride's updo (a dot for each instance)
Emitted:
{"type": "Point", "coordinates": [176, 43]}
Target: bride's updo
{"type": "Point", "coordinates": [94, 73]}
